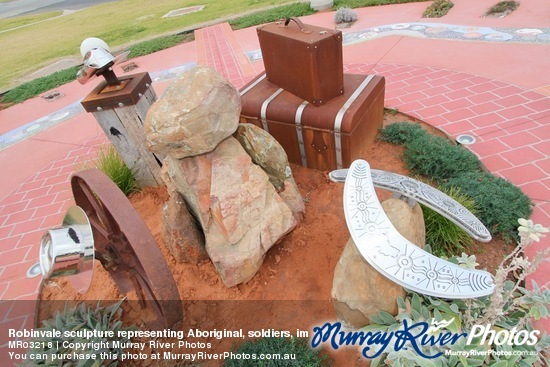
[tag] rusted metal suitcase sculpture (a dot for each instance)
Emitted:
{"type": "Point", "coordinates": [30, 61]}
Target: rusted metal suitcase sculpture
{"type": "Point", "coordinates": [326, 137]}
{"type": "Point", "coordinates": [305, 60]}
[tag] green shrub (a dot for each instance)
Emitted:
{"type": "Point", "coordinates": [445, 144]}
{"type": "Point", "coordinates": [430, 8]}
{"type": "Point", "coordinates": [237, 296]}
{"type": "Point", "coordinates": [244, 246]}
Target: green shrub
{"type": "Point", "coordinates": [503, 6]}
{"type": "Point", "coordinates": [401, 132]}
{"type": "Point", "coordinates": [500, 203]}
{"type": "Point", "coordinates": [391, 111]}
{"type": "Point", "coordinates": [80, 318]}
{"type": "Point", "coordinates": [345, 15]}
{"type": "Point", "coordinates": [436, 158]}
{"type": "Point", "coordinates": [296, 348]}
{"type": "Point", "coordinates": [110, 163]}
{"type": "Point", "coordinates": [40, 85]}
{"type": "Point", "coordinates": [157, 44]}
{"type": "Point", "coordinates": [446, 238]}
{"type": "Point", "coordinates": [438, 9]}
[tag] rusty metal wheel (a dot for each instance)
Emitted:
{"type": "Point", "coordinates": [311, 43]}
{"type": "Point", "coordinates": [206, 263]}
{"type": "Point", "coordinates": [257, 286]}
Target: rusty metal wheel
{"type": "Point", "coordinates": [125, 247]}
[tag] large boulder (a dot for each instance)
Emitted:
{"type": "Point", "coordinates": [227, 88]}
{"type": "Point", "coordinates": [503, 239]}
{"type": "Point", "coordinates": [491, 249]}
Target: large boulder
{"type": "Point", "coordinates": [240, 212]}
{"type": "Point", "coordinates": [358, 289]}
{"type": "Point", "coordinates": [195, 113]}
{"type": "Point", "coordinates": [267, 153]}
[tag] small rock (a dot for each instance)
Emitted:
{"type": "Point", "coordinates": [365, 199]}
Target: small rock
{"type": "Point", "coordinates": [358, 289]}
{"type": "Point", "coordinates": [180, 233]}
{"type": "Point", "coordinates": [267, 153]}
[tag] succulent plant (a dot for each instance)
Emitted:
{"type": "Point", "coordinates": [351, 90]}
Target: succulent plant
{"type": "Point", "coordinates": [511, 306]}
{"type": "Point", "coordinates": [73, 324]}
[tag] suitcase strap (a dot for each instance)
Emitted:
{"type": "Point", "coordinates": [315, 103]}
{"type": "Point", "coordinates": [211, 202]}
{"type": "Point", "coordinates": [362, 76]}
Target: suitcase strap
{"type": "Point", "coordinates": [299, 134]}
{"type": "Point", "coordinates": [251, 86]}
{"type": "Point", "coordinates": [340, 117]}
{"type": "Point", "coordinates": [263, 112]}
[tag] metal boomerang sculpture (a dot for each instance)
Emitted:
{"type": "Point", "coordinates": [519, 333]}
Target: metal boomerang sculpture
{"type": "Point", "coordinates": [393, 255]}
{"type": "Point", "coordinates": [427, 195]}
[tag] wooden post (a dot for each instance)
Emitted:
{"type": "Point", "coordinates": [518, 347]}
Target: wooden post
{"type": "Point", "coordinates": [120, 110]}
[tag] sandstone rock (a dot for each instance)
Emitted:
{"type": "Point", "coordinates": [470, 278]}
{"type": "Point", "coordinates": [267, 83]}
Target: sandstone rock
{"type": "Point", "coordinates": [359, 290]}
{"type": "Point", "coordinates": [180, 233]}
{"type": "Point", "coordinates": [293, 199]}
{"type": "Point", "coordinates": [267, 153]}
{"type": "Point", "coordinates": [408, 221]}
{"type": "Point", "coordinates": [240, 212]}
{"type": "Point", "coordinates": [195, 113]}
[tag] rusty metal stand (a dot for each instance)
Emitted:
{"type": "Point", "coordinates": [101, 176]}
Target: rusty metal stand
{"type": "Point", "coordinates": [120, 109]}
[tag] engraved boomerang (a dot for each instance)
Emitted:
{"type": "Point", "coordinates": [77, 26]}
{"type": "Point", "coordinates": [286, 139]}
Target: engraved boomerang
{"type": "Point", "coordinates": [393, 255]}
{"type": "Point", "coordinates": [426, 195]}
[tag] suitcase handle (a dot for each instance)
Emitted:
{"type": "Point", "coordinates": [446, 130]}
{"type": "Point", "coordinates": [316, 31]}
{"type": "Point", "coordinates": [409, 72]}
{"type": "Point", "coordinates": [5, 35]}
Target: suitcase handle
{"type": "Point", "coordinates": [303, 28]}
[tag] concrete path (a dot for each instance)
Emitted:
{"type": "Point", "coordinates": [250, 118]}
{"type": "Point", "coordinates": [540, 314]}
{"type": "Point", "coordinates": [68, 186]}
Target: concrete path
{"type": "Point", "coordinates": [461, 73]}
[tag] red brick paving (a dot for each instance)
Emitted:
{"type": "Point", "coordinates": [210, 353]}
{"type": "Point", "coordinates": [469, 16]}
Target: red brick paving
{"type": "Point", "coordinates": [218, 48]}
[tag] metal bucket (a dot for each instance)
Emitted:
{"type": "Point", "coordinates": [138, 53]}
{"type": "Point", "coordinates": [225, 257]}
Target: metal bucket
{"type": "Point", "coordinates": [69, 249]}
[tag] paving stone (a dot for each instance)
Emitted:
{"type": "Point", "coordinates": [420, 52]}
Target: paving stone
{"type": "Point", "coordinates": [519, 124]}
{"type": "Point", "coordinates": [36, 193]}
{"type": "Point", "coordinates": [24, 307]}
{"type": "Point", "coordinates": [458, 115]}
{"type": "Point", "coordinates": [42, 200]}
{"type": "Point", "coordinates": [431, 111]}
{"type": "Point", "coordinates": [495, 162]}
{"type": "Point", "coordinates": [21, 287]}
{"type": "Point", "coordinates": [520, 156]}
{"type": "Point", "coordinates": [412, 97]}
{"type": "Point", "coordinates": [458, 127]}
{"type": "Point", "coordinates": [19, 217]}
{"type": "Point", "coordinates": [47, 174]}
{"type": "Point", "coordinates": [520, 139]}
{"type": "Point", "coordinates": [488, 147]}
{"type": "Point", "coordinates": [18, 269]}
{"type": "Point", "coordinates": [514, 112]}
{"type": "Point", "coordinates": [27, 226]}
{"type": "Point", "coordinates": [520, 175]}
{"type": "Point", "coordinates": [508, 90]}
{"type": "Point", "coordinates": [540, 117]}
{"type": "Point", "coordinates": [483, 108]}
{"type": "Point", "coordinates": [483, 87]}
{"type": "Point", "coordinates": [533, 189]}
{"type": "Point", "coordinates": [14, 256]}
{"type": "Point", "coordinates": [543, 147]}
{"type": "Point", "coordinates": [488, 119]}
{"type": "Point", "coordinates": [435, 95]}
{"type": "Point", "coordinates": [511, 101]}
{"type": "Point", "coordinates": [457, 104]}
{"type": "Point", "coordinates": [482, 97]}
{"type": "Point", "coordinates": [13, 208]}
